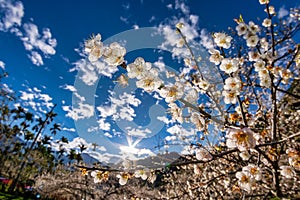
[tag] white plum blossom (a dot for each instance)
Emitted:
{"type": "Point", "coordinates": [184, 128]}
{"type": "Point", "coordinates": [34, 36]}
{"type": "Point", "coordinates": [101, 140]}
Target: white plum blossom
{"type": "Point", "coordinates": [201, 86]}
{"type": "Point", "coordinates": [222, 40]}
{"type": "Point", "coordinates": [172, 93]}
{"type": "Point", "coordinates": [253, 55]}
{"type": "Point", "coordinates": [294, 158]}
{"type": "Point", "coordinates": [287, 171]}
{"type": "Point", "coordinates": [265, 81]}
{"type": "Point", "coordinates": [254, 171]}
{"type": "Point", "coordinates": [215, 57]}
{"type": "Point", "coordinates": [94, 48]}
{"type": "Point", "coordinates": [203, 155]}
{"type": "Point", "coordinates": [230, 96]}
{"type": "Point", "coordinates": [241, 29]}
{"type": "Point", "coordinates": [152, 177]}
{"type": "Point", "coordinates": [139, 68]}
{"type": "Point", "coordinates": [180, 25]}
{"type": "Point", "coordinates": [271, 10]}
{"type": "Point", "coordinates": [123, 178]}
{"type": "Point", "coordinates": [245, 155]}
{"type": "Point", "coordinates": [276, 71]}
{"type": "Point", "coordinates": [252, 41]}
{"type": "Point", "coordinates": [264, 1]}
{"type": "Point", "coordinates": [192, 96]}
{"type": "Point", "coordinates": [232, 83]}
{"type": "Point", "coordinates": [267, 22]}
{"type": "Point", "coordinates": [149, 83]}
{"type": "Point", "coordinates": [187, 62]}
{"type": "Point", "coordinates": [264, 44]}
{"type": "Point", "coordinates": [259, 65]}
{"type": "Point", "coordinates": [180, 43]}
{"type": "Point", "coordinates": [229, 65]}
{"type": "Point", "coordinates": [245, 181]}
{"type": "Point", "coordinates": [176, 112]}
{"type": "Point", "coordinates": [114, 54]}
{"type": "Point", "coordinates": [243, 139]}
{"type": "Point", "coordinates": [198, 121]}
{"type": "Point", "coordinates": [286, 74]}
{"type": "Point", "coordinates": [99, 176]}
{"type": "Point", "coordinates": [253, 28]}
{"type": "Point", "coordinates": [141, 174]}
{"type": "Point", "coordinates": [263, 73]}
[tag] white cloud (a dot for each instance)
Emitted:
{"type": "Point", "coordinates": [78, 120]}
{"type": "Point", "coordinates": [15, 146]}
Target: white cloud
{"type": "Point", "coordinates": [106, 111]}
{"type": "Point", "coordinates": [35, 99]}
{"type": "Point", "coordinates": [16, 32]}
{"type": "Point", "coordinates": [206, 40]}
{"type": "Point", "coordinates": [74, 90]}
{"type": "Point", "coordinates": [103, 69]}
{"type": "Point", "coordinates": [160, 65]}
{"type": "Point", "coordinates": [36, 89]}
{"type": "Point", "coordinates": [120, 108]}
{"type": "Point", "coordinates": [2, 65]}
{"type": "Point", "coordinates": [26, 96]}
{"type": "Point", "coordinates": [69, 87]}
{"type": "Point", "coordinates": [173, 41]}
{"type": "Point", "coordinates": [194, 19]}
{"type": "Point", "coordinates": [181, 6]}
{"type": "Point", "coordinates": [133, 153]}
{"type": "Point", "coordinates": [138, 132]}
{"type": "Point", "coordinates": [164, 119]}
{"type": "Point", "coordinates": [38, 45]}
{"type": "Point", "coordinates": [170, 138]}
{"type": "Point", "coordinates": [83, 111]}
{"type": "Point", "coordinates": [182, 133]}
{"type": "Point", "coordinates": [103, 125]}
{"type": "Point", "coordinates": [11, 14]}
{"type": "Point", "coordinates": [91, 72]}
{"type": "Point", "coordinates": [124, 19]}
{"type": "Point", "coordinates": [104, 157]}
{"type": "Point", "coordinates": [126, 113]}
{"type": "Point", "coordinates": [68, 129]}
{"type": "Point", "coordinates": [36, 58]}
{"type": "Point", "coordinates": [169, 6]}
{"type": "Point", "coordinates": [33, 40]}
{"type": "Point", "coordinates": [176, 129]}
{"type": "Point", "coordinates": [282, 12]}
{"type": "Point", "coordinates": [108, 135]}
{"type": "Point", "coordinates": [89, 76]}
{"type": "Point", "coordinates": [7, 88]}
{"type": "Point", "coordinates": [92, 129]}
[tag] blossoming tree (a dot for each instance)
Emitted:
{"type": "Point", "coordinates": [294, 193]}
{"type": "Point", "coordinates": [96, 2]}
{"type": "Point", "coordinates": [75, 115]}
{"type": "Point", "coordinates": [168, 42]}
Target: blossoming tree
{"type": "Point", "coordinates": [257, 153]}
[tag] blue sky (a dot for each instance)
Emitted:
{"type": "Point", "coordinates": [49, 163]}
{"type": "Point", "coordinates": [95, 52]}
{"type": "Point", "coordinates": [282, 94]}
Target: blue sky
{"type": "Point", "coordinates": [41, 42]}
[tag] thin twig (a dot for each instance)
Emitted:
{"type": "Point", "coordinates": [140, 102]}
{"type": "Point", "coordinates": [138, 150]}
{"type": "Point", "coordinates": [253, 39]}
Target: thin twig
{"type": "Point", "coordinates": [191, 52]}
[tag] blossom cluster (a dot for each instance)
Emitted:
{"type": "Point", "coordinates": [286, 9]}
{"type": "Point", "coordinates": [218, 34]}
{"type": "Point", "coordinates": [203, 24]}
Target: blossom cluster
{"type": "Point", "coordinates": [248, 120]}
{"type": "Point", "coordinates": [248, 176]}
{"type": "Point", "coordinates": [113, 54]}
{"type": "Point", "coordinates": [123, 177]}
